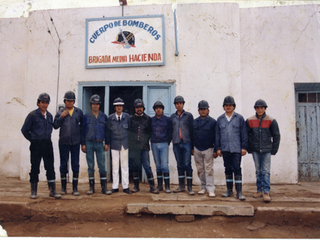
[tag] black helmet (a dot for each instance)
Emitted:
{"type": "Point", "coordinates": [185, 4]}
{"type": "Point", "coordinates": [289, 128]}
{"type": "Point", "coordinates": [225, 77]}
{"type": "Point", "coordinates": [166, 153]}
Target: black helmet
{"type": "Point", "coordinates": [203, 104]}
{"type": "Point", "coordinates": [178, 99]}
{"type": "Point", "coordinates": [157, 104]}
{"type": "Point", "coordinates": [138, 103]}
{"type": "Point", "coordinates": [95, 99]}
{"type": "Point", "coordinates": [118, 101]}
{"type": "Point", "coordinates": [44, 97]}
{"type": "Point", "coordinates": [260, 103]}
{"type": "Point", "coordinates": [70, 96]}
{"type": "Point", "coordinates": [229, 100]}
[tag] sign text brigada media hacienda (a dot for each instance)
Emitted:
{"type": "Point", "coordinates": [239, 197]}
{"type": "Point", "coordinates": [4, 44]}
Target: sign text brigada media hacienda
{"type": "Point", "coordinates": [124, 42]}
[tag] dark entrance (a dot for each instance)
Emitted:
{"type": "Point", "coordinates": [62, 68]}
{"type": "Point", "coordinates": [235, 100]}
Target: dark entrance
{"type": "Point", "coordinates": [128, 94]}
{"type": "Point", "coordinates": [87, 93]}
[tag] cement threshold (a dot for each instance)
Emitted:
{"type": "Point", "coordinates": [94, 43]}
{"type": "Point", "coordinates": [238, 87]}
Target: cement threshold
{"type": "Point", "coordinates": [208, 209]}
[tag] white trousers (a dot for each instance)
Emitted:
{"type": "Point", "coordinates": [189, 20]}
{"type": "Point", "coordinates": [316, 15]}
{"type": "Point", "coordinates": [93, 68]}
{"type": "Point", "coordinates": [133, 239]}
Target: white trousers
{"type": "Point", "coordinates": [122, 158]}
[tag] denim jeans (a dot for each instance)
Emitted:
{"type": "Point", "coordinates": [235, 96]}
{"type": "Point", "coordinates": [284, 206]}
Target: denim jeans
{"type": "Point", "coordinates": [262, 162]}
{"type": "Point", "coordinates": [232, 163]}
{"type": "Point", "coordinates": [98, 147]}
{"type": "Point", "coordinates": [182, 153]}
{"type": "Point", "coordinates": [64, 157]}
{"type": "Point", "coordinates": [139, 157]}
{"type": "Point", "coordinates": [160, 153]}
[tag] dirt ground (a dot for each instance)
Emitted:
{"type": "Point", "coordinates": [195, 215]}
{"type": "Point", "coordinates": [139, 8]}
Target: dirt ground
{"type": "Point", "coordinates": [162, 227]}
{"type": "Point", "coordinates": [99, 215]}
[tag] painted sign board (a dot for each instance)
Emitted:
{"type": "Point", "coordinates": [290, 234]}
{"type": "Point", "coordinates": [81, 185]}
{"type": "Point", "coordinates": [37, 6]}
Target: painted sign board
{"type": "Point", "coordinates": [125, 41]}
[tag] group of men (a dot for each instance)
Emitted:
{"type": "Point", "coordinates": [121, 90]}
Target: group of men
{"type": "Point", "coordinates": [129, 137]}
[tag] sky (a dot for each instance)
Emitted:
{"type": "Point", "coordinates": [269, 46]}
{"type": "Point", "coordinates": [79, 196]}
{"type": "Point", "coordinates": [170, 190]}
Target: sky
{"type": "Point", "coordinates": [21, 8]}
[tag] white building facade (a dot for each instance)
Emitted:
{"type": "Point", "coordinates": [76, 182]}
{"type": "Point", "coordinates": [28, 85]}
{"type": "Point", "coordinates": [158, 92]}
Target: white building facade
{"type": "Point", "coordinates": [216, 49]}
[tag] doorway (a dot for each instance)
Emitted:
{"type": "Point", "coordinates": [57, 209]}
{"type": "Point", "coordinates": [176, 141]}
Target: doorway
{"type": "Point", "coordinates": [128, 95]}
{"type": "Point", "coordinates": [149, 92]}
{"type": "Point", "coordinates": [308, 130]}
{"type": "Point", "coordinates": [87, 93]}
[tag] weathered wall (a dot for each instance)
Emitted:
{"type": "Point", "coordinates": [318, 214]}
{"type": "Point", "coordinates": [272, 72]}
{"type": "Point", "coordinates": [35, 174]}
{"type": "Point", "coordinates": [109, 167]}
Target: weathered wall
{"type": "Point", "coordinates": [248, 53]}
{"type": "Point", "coordinates": [13, 49]}
{"type": "Point", "coordinates": [279, 48]}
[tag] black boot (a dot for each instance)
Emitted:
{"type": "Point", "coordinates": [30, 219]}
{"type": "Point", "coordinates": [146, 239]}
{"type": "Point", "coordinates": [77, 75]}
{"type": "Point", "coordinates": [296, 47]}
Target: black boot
{"type": "Point", "coordinates": [182, 185]}
{"type": "Point", "coordinates": [135, 182]}
{"type": "Point", "coordinates": [103, 182]}
{"type": "Point", "coordinates": [151, 184]}
{"type": "Point", "coordinates": [75, 184]}
{"type": "Point", "coordinates": [238, 183]}
{"type": "Point", "coordinates": [166, 178]}
{"type": "Point", "coordinates": [63, 177]}
{"type": "Point", "coordinates": [229, 192]}
{"type": "Point", "coordinates": [34, 187]}
{"type": "Point", "coordinates": [160, 181]}
{"type": "Point", "coordinates": [52, 189]}
{"type": "Point", "coordinates": [189, 183]}
{"type": "Point", "coordinates": [91, 184]}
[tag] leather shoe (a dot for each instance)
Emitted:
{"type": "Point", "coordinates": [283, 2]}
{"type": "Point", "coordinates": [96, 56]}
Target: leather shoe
{"type": "Point", "coordinates": [127, 191]}
{"type": "Point", "coordinates": [115, 190]}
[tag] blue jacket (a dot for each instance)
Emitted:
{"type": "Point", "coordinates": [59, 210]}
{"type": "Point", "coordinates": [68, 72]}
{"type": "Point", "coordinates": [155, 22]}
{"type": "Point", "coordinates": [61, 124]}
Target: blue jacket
{"type": "Point", "coordinates": [70, 127]}
{"type": "Point", "coordinates": [95, 128]}
{"type": "Point", "coordinates": [231, 136]}
{"type": "Point", "coordinates": [36, 127]}
{"type": "Point", "coordinates": [161, 129]}
{"type": "Point", "coordinates": [185, 122]}
{"type": "Point", "coordinates": [204, 134]}
{"type": "Point", "coordinates": [119, 131]}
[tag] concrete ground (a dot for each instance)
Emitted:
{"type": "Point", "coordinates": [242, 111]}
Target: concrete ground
{"type": "Point", "coordinates": [290, 205]}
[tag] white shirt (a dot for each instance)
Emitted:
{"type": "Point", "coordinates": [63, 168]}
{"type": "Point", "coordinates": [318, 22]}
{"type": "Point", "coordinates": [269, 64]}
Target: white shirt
{"type": "Point", "coordinates": [229, 118]}
{"type": "Point", "coordinates": [117, 116]}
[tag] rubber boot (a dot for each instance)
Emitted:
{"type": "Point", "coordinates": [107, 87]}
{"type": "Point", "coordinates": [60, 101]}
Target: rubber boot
{"type": "Point", "coordinates": [166, 178]}
{"type": "Point", "coordinates": [52, 189]}
{"type": "Point", "coordinates": [160, 181]}
{"type": "Point", "coordinates": [229, 192]}
{"type": "Point", "coordinates": [103, 182]}
{"type": "Point", "coordinates": [135, 182]}
{"type": "Point", "coordinates": [182, 186]}
{"type": "Point", "coordinates": [151, 184]}
{"type": "Point", "coordinates": [34, 187]}
{"type": "Point", "coordinates": [189, 183]}
{"type": "Point", "coordinates": [63, 177]}
{"type": "Point", "coordinates": [75, 184]}
{"type": "Point", "coordinates": [91, 184]}
{"type": "Point", "coordinates": [238, 184]}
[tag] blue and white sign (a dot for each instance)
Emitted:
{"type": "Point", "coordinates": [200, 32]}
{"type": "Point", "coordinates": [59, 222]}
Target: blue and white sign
{"type": "Point", "coordinates": [125, 41]}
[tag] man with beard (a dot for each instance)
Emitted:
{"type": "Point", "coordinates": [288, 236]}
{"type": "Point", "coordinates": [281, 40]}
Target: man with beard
{"type": "Point", "coordinates": [140, 133]}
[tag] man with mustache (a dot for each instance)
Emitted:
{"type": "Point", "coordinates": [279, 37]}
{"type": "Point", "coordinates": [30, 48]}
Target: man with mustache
{"type": "Point", "coordinates": [140, 134]}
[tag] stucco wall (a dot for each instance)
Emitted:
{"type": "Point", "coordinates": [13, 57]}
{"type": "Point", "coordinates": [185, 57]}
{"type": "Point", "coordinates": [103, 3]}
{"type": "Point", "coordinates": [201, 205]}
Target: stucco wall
{"type": "Point", "coordinates": [13, 49]}
{"type": "Point", "coordinates": [248, 53]}
{"type": "Point", "coordinates": [279, 48]}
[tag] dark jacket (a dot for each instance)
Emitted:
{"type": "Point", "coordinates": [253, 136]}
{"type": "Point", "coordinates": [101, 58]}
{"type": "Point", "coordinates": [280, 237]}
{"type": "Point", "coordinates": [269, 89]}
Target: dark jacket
{"type": "Point", "coordinates": [204, 134]}
{"type": "Point", "coordinates": [264, 134]}
{"type": "Point", "coordinates": [140, 132]}
{"type": "Point", "coordinates": [185, 122]}
{"type": "Point", "coordinates": [70, 127]}
{"type": "Point", "coordinates": [36, 127]}
{"type": "Point", "coordinates": [95, 128]}
{"type": "Point", "coordinates": [161, 129]}
{"type": "Point", "coordinates": [231, 136]}
{"type": "Point", "coordinates": [119, 131]}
